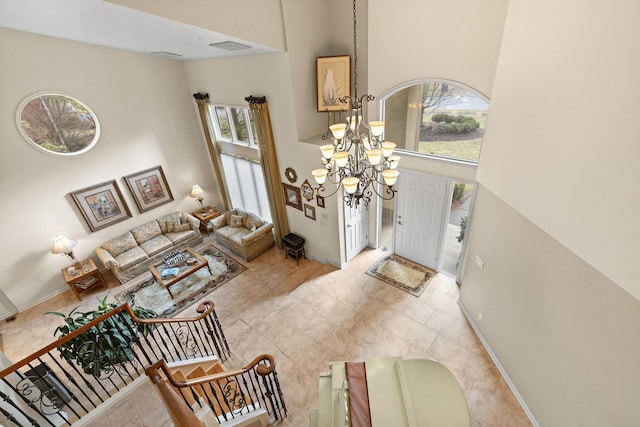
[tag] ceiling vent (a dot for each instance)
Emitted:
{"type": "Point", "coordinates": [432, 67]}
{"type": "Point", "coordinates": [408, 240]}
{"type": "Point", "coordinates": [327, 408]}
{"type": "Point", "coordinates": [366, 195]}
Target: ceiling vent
{"type": "Point", "coordinates": [230, 46]}
{"type": "Point", "coordinates": [166, 54]}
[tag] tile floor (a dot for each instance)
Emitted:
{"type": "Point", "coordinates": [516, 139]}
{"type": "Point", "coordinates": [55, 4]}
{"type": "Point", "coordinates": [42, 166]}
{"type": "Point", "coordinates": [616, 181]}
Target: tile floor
{"type": "Point", "coordinates": [307, 316]}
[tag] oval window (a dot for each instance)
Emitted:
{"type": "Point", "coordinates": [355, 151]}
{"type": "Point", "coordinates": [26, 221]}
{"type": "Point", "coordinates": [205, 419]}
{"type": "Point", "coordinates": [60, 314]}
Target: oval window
{"type": "Point", "coordinates": [58, 124]}
{"type": "Point", "coordinates": [439, 118]}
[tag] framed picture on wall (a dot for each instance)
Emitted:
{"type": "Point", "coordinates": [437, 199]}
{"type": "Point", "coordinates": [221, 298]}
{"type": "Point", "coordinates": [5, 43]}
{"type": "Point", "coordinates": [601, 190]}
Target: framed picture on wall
{"type": "Point", "coordinates": [149, 188]}
{"type": "Point", "coordinates": [101, 205]}
{"type": "Point", "coordinates": [310, 212]}
{"type": "Point", "coordinates": [333, 74]}
{"type": "Point", "coordinates": [292, 196]}
{"type": "Point", "coordinates": [320, 201]}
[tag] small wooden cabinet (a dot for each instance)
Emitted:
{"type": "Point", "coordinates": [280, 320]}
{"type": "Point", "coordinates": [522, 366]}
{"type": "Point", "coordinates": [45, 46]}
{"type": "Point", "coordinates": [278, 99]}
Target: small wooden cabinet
{"type": "Point", "coordinates": [294, 246]}
{"type": "Point", "coordinates": [83, 277]}
{"type": "Point", "coordinates": [204, 216]}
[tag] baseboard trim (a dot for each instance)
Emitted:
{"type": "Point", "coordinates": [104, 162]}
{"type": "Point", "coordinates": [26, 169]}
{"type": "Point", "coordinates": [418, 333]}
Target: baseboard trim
{"type": "Point", "coordinates": [43, 299]}
{"type": "Point", "coordinates": [493, 356]}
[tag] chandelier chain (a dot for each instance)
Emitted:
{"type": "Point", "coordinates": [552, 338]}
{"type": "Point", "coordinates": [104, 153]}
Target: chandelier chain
{"type": "Point", "coordinates": [355, 53]}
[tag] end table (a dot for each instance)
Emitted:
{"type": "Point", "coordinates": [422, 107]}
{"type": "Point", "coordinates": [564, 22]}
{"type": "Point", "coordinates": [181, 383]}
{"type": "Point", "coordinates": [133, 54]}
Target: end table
{"type": "Point", "coordinates": [83, 277]}
{"type": "Point", "coordinates": [205, 215]}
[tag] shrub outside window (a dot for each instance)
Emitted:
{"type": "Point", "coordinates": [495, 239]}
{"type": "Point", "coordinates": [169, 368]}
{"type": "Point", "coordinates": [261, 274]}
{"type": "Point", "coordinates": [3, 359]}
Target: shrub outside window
{"type": "Point", "coordinates": [439, 118]}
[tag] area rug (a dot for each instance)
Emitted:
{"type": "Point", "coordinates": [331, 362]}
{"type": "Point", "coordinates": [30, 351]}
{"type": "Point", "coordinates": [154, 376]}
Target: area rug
{"type": "Point", "coordinates": [154, 296]}
{"type": "Point", "coordinates": [402, 273]}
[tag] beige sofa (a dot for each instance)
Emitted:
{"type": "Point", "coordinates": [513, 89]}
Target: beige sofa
{"type": "Point", "coordinates": [133, 252]}
{"type": "Point", "coordinates": [244, 233]}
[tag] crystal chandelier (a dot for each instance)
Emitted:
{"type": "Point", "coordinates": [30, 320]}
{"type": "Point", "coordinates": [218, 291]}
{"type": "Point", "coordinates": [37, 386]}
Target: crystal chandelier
{"type": "Point", "coordinates": [358, 159]}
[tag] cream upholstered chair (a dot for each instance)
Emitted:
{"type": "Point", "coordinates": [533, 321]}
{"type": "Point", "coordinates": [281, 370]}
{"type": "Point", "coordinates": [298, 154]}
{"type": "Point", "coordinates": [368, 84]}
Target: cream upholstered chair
{"type": "Point", "coordinates": [244, 233]}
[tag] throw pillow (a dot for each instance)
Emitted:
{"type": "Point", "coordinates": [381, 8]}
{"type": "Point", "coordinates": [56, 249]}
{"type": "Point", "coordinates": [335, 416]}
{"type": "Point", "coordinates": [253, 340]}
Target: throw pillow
{"type": "Point", "coordinates": [166, 226]}
{"type": "Point", "coordinates": [236, 221]}
{"type": "Point", "coordinates": [181, 227]}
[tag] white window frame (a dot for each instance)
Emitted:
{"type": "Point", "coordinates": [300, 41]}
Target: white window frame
{"type": "Point", "coordinates": [246, 114]}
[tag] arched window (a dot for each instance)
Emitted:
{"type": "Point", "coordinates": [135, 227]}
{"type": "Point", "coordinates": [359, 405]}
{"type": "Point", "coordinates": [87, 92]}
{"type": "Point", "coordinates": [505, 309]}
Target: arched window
{"type": "Point", "coordinates": [438, 118]}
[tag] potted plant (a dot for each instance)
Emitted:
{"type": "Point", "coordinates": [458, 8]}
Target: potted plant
{"type": "Point", "coordinates": [105, 345]}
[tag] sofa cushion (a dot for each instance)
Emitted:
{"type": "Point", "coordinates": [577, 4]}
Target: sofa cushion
{"type": "Point", "coordinates": [120, 244]}
{"type": "Point", "coordinates": [145, 232]}
{"type": "Point", "coordinates": [227, 215]}
{"type": "Point", "coordinates": [218, 222]}
{"type": "Point", "coordinates": [180, 236]}
{"type": "Point", "coordinates": [175, 217]}
{"type": "Point", "coordinates": [237, 237]}
{"type": "Point", "coordinates": [236, 221]}
{"type": "Point", "coordinates": [131, 257]}
{"type": "Point", "coordinates": [156, 245]}
{"type": "Point", "coordinates": [228, 231]}
{"type": "Point", "coordinates": [254, 221]}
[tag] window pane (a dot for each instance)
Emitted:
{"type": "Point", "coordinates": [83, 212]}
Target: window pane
{"type": "Point", "coordinates": [438, 118]}
{"type": "Point", "coordinates": [223, 128]}
{"type": "Point", "coordinates": [246, 186]}
{"type": "Point", "coordinates": [242, 134]}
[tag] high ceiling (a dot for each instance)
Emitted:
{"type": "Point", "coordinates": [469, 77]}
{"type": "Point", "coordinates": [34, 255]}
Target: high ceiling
{"type": "Point", "coordinates": [106, 24]}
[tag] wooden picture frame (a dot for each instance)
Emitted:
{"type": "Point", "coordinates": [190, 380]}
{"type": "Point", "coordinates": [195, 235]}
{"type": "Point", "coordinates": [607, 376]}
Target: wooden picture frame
{"type": "Point", "coordinates": [149, 188]}
{"type": "Point", "coordinates": [310, 212]}
{"type": "Point", "coordinates": [307, 190]}
{"type": "Point", "coordinates": [320, 201]}
{"type": "Point", "coordinates": [333, 75]}
{"type": "Point", "coordinates": [101, 205]}
{"type": "Point", "coordinates": [292, 196]}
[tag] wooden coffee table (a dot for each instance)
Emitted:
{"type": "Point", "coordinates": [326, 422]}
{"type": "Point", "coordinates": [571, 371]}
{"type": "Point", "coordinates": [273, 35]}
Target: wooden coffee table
{"type": "Point", "coordinates": [184, 270]}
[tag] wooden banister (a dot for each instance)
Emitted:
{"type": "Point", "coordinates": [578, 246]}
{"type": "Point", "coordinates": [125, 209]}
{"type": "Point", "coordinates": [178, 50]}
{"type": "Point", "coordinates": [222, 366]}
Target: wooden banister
{"type": "Point", "coordinates": [261, 369]}
{"type": "Point", "coordinates": [181, 415]}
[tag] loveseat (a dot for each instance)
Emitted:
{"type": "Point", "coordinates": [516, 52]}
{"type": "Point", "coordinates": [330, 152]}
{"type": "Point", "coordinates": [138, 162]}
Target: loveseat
{"type": "Point", "coordinates": [133, 252]}
{"type": "Point", "coordinates": [244, 233]}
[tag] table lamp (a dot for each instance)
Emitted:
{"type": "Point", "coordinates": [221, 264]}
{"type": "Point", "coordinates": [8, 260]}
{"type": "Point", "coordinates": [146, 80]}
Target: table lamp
{"type": "Point", "coordinates": [62, 245]}
{"type": "Point", "coordinates": [196, 193]}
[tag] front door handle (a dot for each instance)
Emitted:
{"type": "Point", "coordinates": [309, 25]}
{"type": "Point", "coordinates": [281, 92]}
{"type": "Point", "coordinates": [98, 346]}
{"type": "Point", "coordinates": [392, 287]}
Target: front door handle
{"type": "Point", "coordinates": [399, 222]}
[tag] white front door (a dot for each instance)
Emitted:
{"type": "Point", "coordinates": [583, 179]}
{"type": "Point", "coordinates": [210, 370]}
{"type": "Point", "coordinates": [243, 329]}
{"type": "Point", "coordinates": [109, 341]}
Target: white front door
{"type": "Point", "coordinates": [420, 203]}
{"type": "Point", "coordinates": [356, 234]}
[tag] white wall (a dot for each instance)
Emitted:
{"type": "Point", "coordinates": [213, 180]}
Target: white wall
{"type": "Point", "coordinates": [561, 143]}
{"type": "Point", "coordinates": [147, 118]}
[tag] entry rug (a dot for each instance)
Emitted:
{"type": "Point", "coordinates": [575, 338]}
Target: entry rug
{"type": "Point", "coordinates": [402, 273]}
{"type": "Point", "coordinates": [154, 296]}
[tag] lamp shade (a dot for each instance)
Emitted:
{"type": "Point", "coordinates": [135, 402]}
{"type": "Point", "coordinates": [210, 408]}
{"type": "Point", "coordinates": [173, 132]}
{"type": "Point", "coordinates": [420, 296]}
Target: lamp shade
{"type": "Point", "coordinates": [327, 150]}
{"type": "Point", "coordinates": [196, 192]}
{"type": "Point", "coordinates": [374, 156]}
{"type": "Point", "coordinates": [320, 175]}
{"type": "Point", "coordinates": [350, 184]}
{"type": "Point", "coordinates": [63, 245]}
{"type": "Point", "coordinates": [387, 148]}
{"type": "Point", "coordinates": [376, 127]}
{"type": "Point", "coordinates": [390, 176]}
{"type": "Point", "coordinates": [338, 130]}
{"type": "Point", "coordinates": [393, 161]}
{"type": "Point", "coordinates": [341, 158]}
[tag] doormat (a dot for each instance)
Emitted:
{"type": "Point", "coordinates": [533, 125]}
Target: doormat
{"type": "Point", "coordinates": [402, 273]}
{"type": "Point", "coordinates": [154, 296]}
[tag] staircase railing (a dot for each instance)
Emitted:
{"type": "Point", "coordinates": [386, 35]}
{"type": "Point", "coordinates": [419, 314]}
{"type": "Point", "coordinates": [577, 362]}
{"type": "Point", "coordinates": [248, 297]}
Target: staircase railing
{"type": "Point", "coordinates": [45, 389]}
{"type": "Point", "coordinates": [228, 395]}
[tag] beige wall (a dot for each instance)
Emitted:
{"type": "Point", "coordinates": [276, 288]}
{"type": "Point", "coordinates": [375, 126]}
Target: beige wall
{"type": "Point", "coordinates": [561, 143]}
{"type": "Point", "coordinates": [567, 336]}
{"type": "Point", "coordinates": [147, 118]}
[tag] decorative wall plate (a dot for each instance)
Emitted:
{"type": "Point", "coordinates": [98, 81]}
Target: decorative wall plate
{"type": "Point", "coordinates": [307, 190]}
{"type": "Point", "coordinates": [291, 175]}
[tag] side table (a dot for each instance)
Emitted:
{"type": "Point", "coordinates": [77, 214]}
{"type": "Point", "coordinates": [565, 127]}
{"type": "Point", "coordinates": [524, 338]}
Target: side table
{"type": "Point", "coordinates": [205, 215]}
{"type": "Point", "coordinates": [83, 277]}
{"type": "Point", "coordinates": [294, 246]}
